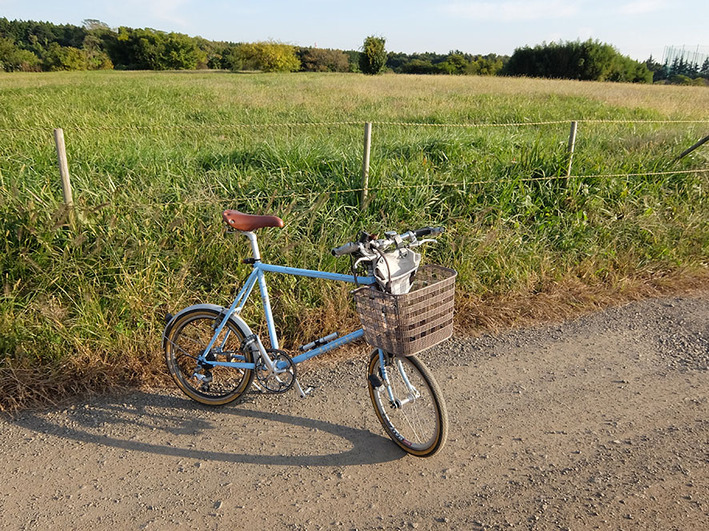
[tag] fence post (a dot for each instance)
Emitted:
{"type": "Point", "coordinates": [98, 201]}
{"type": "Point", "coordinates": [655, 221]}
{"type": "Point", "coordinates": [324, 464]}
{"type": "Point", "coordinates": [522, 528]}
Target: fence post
{"type": "Point", "coordinates": [572, 145]}
{"type": "Point", "coordinates": [63, 167]}
{"type": "Point", "coordinates": [365, 162]}
{"type": "Point", "coordinates": [64, 173]}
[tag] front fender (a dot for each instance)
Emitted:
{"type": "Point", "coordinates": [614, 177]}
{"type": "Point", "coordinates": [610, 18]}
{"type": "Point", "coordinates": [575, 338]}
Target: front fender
{"type": "Point", "coordinates": [234, 319]}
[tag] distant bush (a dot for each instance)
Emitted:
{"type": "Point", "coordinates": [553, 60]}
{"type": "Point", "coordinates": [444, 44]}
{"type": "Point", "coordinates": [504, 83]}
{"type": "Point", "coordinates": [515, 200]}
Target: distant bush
{"type": "Point", "coordinates": [589, 61]}
{"type": "Point", "coordinates": [214, 53]}
{"type": "Point", "coordinates": [148, 49]}
{"type": "Point", "coordinates": [489, 65]}
{"type": "Point", "coordinates": [267, 56]}
{"type": "Point", "coordinates": [64, 58]}
{"type": "Point", "coordinates": [14, 59]}
{"type": "Point", "coordinates": [323, 60]}
{"type": "Point", "coordinates": [455, 62]}
{"type": "Point", "coordinates": [419, 66]}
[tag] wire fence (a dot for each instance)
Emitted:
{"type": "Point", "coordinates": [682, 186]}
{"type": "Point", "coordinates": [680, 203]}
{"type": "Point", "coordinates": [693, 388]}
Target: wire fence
{"type": "Point", "coordinates": [365, 188]}
{"type": "Point", "coordinates": [463, 185]}
{"type": "Point", "coordinates": [265, 125]}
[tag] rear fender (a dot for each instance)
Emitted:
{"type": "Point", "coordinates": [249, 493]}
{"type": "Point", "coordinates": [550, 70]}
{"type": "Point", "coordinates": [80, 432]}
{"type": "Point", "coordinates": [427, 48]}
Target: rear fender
{"type": "Point", "coordinates": [234, 319]}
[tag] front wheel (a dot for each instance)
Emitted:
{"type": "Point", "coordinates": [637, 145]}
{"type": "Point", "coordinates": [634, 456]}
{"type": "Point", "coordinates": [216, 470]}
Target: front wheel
{"type": "Point", "coordinates": [203, 382]}
{"type": "Point", "coordinates": [414, 415]}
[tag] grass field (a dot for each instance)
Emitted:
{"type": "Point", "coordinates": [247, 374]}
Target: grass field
{"type": "Point", "coordinates": [156, 157]}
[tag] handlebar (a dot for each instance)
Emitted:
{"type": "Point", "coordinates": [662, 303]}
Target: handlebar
{"type": "Point", "coordinates": [429, 231]}
{"type": "Point", "coordinates": [392, 238]}
{"type": "Point", "coordinates": [347, 248]}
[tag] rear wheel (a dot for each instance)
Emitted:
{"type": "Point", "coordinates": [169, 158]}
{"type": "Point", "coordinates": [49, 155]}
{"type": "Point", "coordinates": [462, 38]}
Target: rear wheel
{"type": "Point", "coordinates": [204, 382]}
{"type": "Point", "coordinates": [416, 419]}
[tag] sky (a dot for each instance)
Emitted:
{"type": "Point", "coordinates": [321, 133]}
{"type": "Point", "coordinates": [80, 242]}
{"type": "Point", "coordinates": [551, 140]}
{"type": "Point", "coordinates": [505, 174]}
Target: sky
{"type": "Point", "coordinates": [637, 28]}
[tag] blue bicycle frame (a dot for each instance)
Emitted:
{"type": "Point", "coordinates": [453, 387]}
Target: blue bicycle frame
{"type": "Point", "coordinates": [257, 276]}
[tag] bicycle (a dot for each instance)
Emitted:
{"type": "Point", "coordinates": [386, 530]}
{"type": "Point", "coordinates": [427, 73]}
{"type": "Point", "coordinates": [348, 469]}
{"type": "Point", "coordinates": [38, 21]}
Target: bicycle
{"type": "Point", "coordinates": [214, 357]}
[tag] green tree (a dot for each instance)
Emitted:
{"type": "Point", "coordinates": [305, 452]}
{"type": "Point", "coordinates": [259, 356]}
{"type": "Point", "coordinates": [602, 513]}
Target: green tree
{"type": "Point", "coordinates": [277, 57]}
{"type": "Point", "coordinates": [455, 63]}
{"type": "Point", "coordinates": [659, 71]}
{"type": "Point", "coordinates": [92, 24]}
{"type": "Point", "coordinates": [353, 57]}
{"type": "Point", "coordinates": [323, 60]}
{"type": "Point", "coordinates": [64, 58]}
{"type": "Point", "coordinates": [589, 60]}
{"type": "Point", "coordinates": [240, 57]}
{"type": "Point", "coordinates": [267, 56]}
{"type": "Point", "coordinates": [14, 59]}
{"type": "Point", "coordinates": [182, 52]}
{"type": "Point", "coordinates": [373, 57]}
{"type": "Point", "coordinates": [214, 53]}
{"type": "Point", "coordinates": [419, 66]}
{"type": "Point", "coordinates": [96, 57]}
{"type": "Point", "coordinates": [149, 49]}
{"type": "Point", "coordinates": [704, 72]}
{"type": "Point", "coordinates": [489, 65]}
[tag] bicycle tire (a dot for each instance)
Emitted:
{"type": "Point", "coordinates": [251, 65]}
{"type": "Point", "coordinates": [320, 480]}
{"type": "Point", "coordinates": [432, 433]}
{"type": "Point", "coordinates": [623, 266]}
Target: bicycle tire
{"type": "Point", "coordinates": [419, 427]}
{"type": "Point", "coordinates": [186, 340]}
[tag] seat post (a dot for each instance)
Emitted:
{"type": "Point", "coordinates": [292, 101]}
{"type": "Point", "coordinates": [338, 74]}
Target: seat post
{"type": "Point", "coordinates": [254, 244]}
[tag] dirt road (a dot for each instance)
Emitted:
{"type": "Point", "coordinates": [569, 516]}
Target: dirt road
{"type": "Point", "coordinates": [596, 423]}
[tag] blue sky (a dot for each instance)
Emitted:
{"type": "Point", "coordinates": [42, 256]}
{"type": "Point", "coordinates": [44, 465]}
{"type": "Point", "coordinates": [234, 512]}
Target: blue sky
{"type": "Point", "coordinates": [636, 28]}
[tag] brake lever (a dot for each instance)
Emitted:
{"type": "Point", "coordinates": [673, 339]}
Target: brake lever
{"type": "Point", "coordinates": [417, 243]}
{"type": "Point", "coordinates": [359, 261]}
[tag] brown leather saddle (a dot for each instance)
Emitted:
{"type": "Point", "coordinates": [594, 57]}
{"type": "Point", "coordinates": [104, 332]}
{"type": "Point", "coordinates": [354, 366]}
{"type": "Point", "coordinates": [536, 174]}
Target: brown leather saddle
{"type": "Point", "coordinates": [248, 222]}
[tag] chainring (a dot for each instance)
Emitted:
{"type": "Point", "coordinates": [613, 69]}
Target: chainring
{"type": "Point", "coordinates": [281, 379]}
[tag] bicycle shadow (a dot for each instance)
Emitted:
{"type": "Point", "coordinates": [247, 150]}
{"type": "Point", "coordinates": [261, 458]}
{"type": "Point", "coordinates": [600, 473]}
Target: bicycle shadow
{"type": "Point", "coordinates": [121, 422]}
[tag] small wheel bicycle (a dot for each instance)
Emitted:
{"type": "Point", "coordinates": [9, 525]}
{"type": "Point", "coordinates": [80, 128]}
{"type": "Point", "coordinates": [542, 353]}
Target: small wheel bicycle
{"type": "Point", "coordinates": [214, 357]}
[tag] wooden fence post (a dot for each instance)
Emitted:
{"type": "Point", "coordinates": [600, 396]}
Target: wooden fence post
{"type": "Point", "coordinates": [572, 145]}
{"type": "Point", "coordinates": [64, 173]}
{"type": "Point", "coordinates": [63, 167]}
{"type": "Point", "coordinates": [365, 162]}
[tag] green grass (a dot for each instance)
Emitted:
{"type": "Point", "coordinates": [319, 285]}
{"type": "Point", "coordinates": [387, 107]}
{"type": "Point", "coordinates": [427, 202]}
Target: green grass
{"type": "Point", "coordinates": [155, 157]}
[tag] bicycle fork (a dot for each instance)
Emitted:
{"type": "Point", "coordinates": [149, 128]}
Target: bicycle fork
{"type": "Point", "coordinates": [394, 401]}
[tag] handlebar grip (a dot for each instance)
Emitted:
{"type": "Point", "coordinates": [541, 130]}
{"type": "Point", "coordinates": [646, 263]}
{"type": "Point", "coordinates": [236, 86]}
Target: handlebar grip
{"type": "Point", "coordinates": [347, 248]}
{"type": "Point", "coordinates": [429, 231]}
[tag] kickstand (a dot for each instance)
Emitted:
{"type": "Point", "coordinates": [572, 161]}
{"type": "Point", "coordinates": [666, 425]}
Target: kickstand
{"type": "Point", "coordinates": [302, 393]}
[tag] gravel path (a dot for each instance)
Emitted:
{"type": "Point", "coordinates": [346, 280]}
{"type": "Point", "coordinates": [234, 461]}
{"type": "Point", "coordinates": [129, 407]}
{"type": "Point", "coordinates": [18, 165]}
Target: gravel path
{"type": "Point", "coordinates": [596, 423]}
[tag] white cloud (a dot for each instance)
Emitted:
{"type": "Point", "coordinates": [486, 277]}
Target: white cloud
{"type": "Point", "coordinates": [507, 10]}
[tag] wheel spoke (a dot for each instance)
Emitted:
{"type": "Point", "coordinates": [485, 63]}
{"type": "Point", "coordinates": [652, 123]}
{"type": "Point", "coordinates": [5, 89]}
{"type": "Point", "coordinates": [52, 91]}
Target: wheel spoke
{"type": "Point", "coordinates": [187, 340]}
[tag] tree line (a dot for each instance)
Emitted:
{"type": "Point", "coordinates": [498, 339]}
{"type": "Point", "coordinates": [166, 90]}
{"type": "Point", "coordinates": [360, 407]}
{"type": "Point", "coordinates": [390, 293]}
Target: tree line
{"type": "Point", "coordinates": [44, 46]}
{"type": "Point", "coordinates": [679, 72]}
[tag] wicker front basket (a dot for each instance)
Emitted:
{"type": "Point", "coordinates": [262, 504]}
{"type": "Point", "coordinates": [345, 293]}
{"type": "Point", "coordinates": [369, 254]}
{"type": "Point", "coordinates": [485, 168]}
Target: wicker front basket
{"type": "Point", "coordinates": [409, 323]}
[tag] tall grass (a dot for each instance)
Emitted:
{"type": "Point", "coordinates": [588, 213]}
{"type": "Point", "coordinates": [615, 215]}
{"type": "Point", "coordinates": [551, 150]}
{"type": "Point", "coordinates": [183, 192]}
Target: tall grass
{"type": "Point", "coordinates": [156, 157]}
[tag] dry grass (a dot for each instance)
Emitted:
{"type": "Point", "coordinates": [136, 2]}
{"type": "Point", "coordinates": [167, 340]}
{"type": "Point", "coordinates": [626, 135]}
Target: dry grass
{"type": "Point", "coordinates": [566, 300]}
